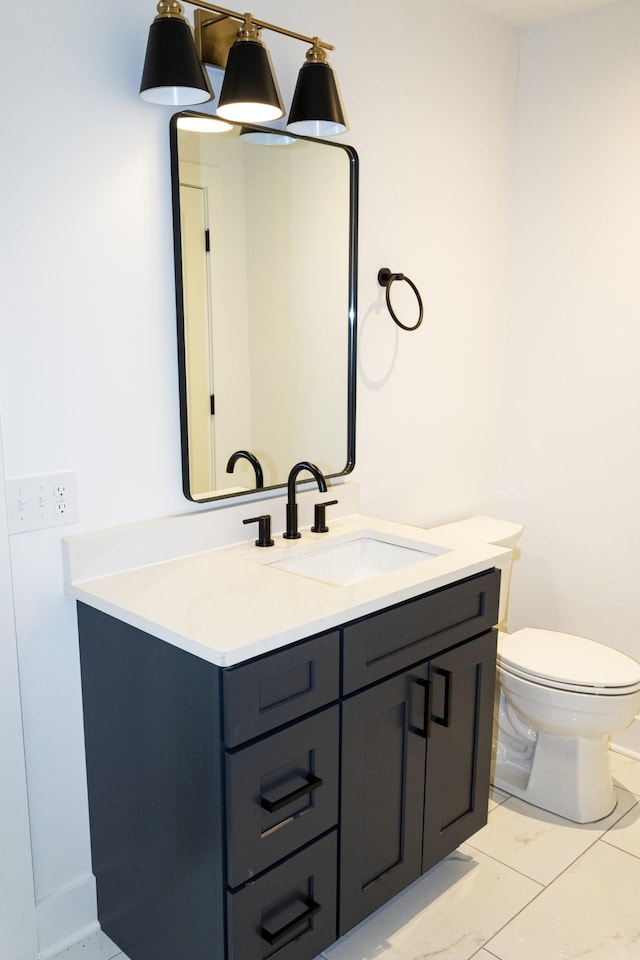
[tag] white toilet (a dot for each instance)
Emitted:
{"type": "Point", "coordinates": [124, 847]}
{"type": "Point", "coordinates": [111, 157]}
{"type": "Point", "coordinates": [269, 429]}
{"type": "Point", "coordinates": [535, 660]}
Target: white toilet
{"type": "Point", "coordinates": [559, 698]}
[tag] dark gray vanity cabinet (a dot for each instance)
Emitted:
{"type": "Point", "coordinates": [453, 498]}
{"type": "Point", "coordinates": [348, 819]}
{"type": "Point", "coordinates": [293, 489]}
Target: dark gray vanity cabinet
{"type": "Point", "coordinates": [260, 811]}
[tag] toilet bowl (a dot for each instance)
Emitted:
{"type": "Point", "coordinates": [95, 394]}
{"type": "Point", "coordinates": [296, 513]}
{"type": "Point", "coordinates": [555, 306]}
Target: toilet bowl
{"type": "Point", "coordinates": [558, 700]}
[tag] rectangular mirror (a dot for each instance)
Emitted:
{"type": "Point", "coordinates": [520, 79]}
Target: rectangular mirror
{"type": "Point", "coordinates": [265, 234]}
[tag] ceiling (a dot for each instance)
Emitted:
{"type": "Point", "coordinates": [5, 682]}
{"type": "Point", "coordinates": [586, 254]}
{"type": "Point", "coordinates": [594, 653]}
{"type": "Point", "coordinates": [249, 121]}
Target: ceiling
{"type": "Point", "coordinates": [523, 13]}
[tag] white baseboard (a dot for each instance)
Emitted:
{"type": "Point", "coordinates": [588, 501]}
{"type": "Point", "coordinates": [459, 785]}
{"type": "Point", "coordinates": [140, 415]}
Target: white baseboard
{"type": "Point", "coordinates": [67, 916]}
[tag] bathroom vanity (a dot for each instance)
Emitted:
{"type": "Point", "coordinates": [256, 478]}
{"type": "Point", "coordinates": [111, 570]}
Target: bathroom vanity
{"type": "Point", "coordinates": [261, 801]}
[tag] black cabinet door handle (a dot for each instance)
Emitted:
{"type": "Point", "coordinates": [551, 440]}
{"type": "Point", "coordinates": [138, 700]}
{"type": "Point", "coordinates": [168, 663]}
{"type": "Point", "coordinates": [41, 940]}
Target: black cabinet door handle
{"type": "Point", "coordinates": [448, 683]}
{"type": "Point", "coordinates": [274, 805]}
{"type": "Point", "coordinates": [271, 938]}
{"type": "Point", "coordinates": [424, 730]}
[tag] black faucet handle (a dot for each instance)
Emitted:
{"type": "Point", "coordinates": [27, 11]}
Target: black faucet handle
{"type": "Point", "coordinates": [319, 516]}
{"type": "Point", "coordinates": [264, 530]}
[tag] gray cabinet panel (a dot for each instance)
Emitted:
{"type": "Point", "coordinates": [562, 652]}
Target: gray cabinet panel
{"type": "Point", "coordinates": [155, 792]}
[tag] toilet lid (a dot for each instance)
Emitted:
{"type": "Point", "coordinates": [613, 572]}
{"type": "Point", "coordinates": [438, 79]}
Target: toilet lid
{"type": "Point", "coordinates": [564, 661]}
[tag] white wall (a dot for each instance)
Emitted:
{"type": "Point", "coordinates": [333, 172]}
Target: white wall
{"type": "Point", "coordinates": [18, 939]}
{"type": "Point", "coordinates": [88, 361]}
{"type": "Point", "coordinates": [436, 148]}
{"type": "Point", "coordinates": [572, 463]}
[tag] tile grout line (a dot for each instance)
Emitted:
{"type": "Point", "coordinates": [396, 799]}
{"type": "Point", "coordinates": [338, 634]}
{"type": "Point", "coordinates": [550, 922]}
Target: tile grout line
{"type": "Point", "coordinates": [589, 846]}
{"type": "Point", "coordinates": [486, 950]}
{"type": "Point", "coordinates": [540, 892]}
{"type": "Point", "coordinates": [614, 846]}
{"type": "Point", "coordinates": [547, 886]}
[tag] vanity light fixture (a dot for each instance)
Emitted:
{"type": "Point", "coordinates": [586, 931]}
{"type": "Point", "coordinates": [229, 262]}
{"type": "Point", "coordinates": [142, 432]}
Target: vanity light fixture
{"type": "Point", "coordinates": [175, 72]}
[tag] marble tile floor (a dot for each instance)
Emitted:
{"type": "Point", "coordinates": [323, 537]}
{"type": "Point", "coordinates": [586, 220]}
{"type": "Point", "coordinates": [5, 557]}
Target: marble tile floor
{"type": "Point", "coordinates": [528, 886]}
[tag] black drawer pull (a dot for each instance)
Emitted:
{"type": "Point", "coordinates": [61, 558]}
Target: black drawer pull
{"type": "Point", "coordinates": [424, 731]}
{"type": "Point", "coordinates": [448, 682]}
{"type": "Point", "coordinates": [274, 805]}
{"type": "Point", "coordinates": [271, 938]}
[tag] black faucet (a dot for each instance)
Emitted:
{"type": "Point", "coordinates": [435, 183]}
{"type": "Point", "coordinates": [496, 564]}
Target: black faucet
{"type": "Point", "coordinates": [253, 460]}
{"type": "Point", "coordinates": [292, 507]}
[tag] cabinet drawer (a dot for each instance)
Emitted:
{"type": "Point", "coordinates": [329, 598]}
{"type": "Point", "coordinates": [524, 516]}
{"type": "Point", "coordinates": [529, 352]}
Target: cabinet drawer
{"type": "Point", "coordinates": [281, 793]}
{"type": "Point", "coordinates": [280, 687]}
{"type": "Point", "coordinates": [290, 912]}
{"type": "Point", "coordinates": [400, 636]}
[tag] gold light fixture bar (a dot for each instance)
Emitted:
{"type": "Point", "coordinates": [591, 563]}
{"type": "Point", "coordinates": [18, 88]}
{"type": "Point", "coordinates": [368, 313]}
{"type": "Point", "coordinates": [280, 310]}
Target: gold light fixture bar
{"type": "Point", "coordinates": [215, 36]}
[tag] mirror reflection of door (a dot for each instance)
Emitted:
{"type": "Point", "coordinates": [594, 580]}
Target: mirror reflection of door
{"type": "Point", "coordinates": [198, 340]}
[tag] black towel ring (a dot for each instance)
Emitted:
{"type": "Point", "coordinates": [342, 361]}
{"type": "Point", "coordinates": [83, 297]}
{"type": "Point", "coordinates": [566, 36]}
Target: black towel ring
{"type": "Point", "coordinates": [385, 279]}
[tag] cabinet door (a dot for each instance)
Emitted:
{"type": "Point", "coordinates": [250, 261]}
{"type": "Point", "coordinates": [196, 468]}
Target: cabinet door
{"type": "Point", "coordinates": [383, 768]}
{"type": "Point", "coordinates": [461, 688]}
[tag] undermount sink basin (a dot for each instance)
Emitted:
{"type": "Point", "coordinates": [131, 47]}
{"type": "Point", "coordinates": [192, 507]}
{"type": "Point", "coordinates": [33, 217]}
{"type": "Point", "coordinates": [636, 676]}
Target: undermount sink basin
{"type": "Point", "coordinates": [359, 558]}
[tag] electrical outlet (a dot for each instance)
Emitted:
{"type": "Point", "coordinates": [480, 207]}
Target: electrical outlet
{"type": "Point", "coordinates": [44, 500]}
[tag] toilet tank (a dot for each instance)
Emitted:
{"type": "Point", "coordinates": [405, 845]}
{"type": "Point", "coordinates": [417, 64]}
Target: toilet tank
{"type": "Point", "coordinates": [500, 533]}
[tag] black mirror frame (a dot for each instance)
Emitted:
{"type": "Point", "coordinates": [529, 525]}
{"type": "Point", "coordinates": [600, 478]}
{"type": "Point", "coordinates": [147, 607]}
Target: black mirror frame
{"type": "Point", "coordinates": [352, 307]}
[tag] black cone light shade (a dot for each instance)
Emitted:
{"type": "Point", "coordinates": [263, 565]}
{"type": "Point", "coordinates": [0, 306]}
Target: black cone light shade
{"type": "Point", "coordinates": [316, 109]}
{"type": "Point", "coordinates": [249, 92]}
{"type": "Point", "coordinates": [172, 73]}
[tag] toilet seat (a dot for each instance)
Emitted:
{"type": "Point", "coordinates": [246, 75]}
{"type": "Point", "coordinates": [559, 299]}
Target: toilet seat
{"type": "Point", "coordinates": [566, 662]}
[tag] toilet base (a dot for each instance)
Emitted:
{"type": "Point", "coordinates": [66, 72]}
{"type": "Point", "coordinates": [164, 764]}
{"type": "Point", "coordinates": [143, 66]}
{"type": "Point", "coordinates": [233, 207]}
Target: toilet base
{"type": "Point", "coordinates": [567, 776]}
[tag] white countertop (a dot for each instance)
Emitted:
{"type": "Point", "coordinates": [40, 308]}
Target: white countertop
{"type": "Point", "coordinates": [227, 605]}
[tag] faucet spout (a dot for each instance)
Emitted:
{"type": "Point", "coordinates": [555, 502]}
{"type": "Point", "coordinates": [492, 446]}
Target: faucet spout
{"type": "Point", "coordinates": [253, 460]}
{"type": "Point", "coordinates": [292, 532]}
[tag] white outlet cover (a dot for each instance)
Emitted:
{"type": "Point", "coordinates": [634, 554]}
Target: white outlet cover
{"type": "Point", "coordinates": [42, 500]}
